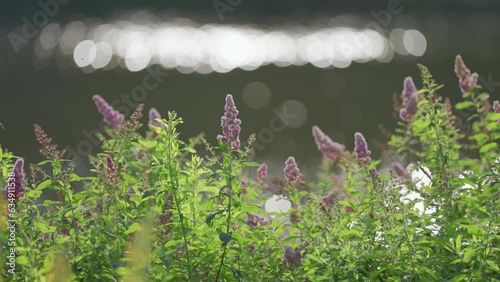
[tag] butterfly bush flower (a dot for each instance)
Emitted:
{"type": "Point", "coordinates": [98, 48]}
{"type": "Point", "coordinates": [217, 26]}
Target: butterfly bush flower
{"type": "Point", "coordinates": [330, 149]}
{"type": "Point", "coordinates": [153, 115]}
{"type": "Point", "coordinates": [231, 125]}
{"type": "Point", "coordinates": [496, 108]}
{"type": "Point", "coordinates": [293, 257]}
{"type": "Point", "coordinates": [327, 201]}
{"type": "Point", "coordinates": [361, 148]}
{"type": "Point", "coordinates": [251, 247]}
{"type": "Point", "coordinates": [244, 186]}
{"type": "Point", "coordinates": [408, 89]}
{"type": "Point", "coordinates": [255, 220]}
{"type": "Point", "coordinates": [410, 108]}
{"type": "Point", "coordinates": [48, 149]}
{"type": "Point", "coordinates": [110, 164]}
{"type": "Point", "coordinates": [292, 171]}
{"type": "Point", "coordinates": [466, 80]}
{"type": "Point", "coordinates": [400, 170]}
{"type": "Point", "coordinates": [262, 173]}
{"type": "Point", "coordinates": [449, 107]}
{"type": "Point", "coordinates": [18, 189]}
{"type": "Point", "coordinates": [111, 117]}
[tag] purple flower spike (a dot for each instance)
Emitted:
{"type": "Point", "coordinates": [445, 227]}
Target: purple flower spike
{"type": "Point", "coordinates": [400, 170]}
{"type": "Point", "coordinates": [17, 189]}
{"type": "Point", "coordinates": [449, 107]}
{"type": "Point", "coordinates": [231, 125]}
{"type": "Point", "coordinates": [496, 106]}
{"type": "Point", "coordinates": [327, 201]}
{"type": "Point", "coordinates": [361, 148]}
{"type": "Point", "coordinates": [293, 257]}
{"type": "Point", "coordinates": [472, 82]}
{"type": "Point", "coordinates": [111, 164]}
{"type": "Point", "coordinates": [262, 173]}
{"type": "Point", "coordinates": [461, 70]}
{"type": "Point", "coordinates": [153, 115]}
{"type": "Point", "coordinates": [410, 109]}
{"type": "Point", "coordinates": [251, 247]}
{"type": "Point", "coordinates": [111, 117]}
{"type": "Point", "coordinates": [408, 89]}
{"type": "Point", "coordinates": [292, 171]}
{"type": "Point", "coordinates": [466, 80]}
{"type": "Point", "coordinates": [330, 149]}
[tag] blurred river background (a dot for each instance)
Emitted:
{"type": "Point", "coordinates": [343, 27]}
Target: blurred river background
{"type": "Point", "coordinates": [335, 64]}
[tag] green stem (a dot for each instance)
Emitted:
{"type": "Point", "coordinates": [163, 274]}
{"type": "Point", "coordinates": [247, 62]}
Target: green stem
{"type": "Point", "coordinates": [174, 184]}
{"type": "Point", "coordinates": [228, 221]}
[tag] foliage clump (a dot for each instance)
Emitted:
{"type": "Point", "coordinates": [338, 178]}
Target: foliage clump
{"type": "Point", "coordinates": [154, 209]}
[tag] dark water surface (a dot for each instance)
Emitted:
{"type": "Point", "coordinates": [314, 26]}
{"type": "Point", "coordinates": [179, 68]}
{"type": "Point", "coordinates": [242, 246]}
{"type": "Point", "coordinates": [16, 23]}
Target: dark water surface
{"type": "Point", "coordinates": [340, 101]}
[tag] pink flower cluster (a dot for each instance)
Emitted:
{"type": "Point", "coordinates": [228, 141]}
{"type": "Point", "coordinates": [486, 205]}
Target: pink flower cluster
{"type": "Point", "coordinates": [466, 80]}
{"type": "Point", "coordinates": [255, 220]}
{"type": "Point", "coordinates": [111, 117]}
{"type": "Point", "coordinates": [231, 125]}
{"type": "Point", "coordinates": [292, 171]}
{"type": "Point", "coordinates": [293, 257]}
{"type": "Point", "coordinates": [400, 170]}
{"type": "Point", "coordinates": [409, 89]}
{"type": "Point", "coordinates": [361, 148]}
{"type": "Point", "coordinates": [153, 115]}
{"type": "Point", "coordinates": [111, 164]}
{"type": "Point", "coordinates": [331, 198]}
{"type": "Point", "coordinates": [18, 189]}
{"type": "Point", "coordinates": [262, 173]}
{"type": "Point", "coordinates": [496, 108]}
{"type": "Point", "coordinates": [330, 149]}
{"type": "Point", "coordinates": [410, 100]}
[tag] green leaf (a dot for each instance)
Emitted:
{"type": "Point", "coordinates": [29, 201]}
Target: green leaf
{"type": "Point", "coordinates": [479, 137]}
{"type": "Point", "coordinates": [22, 261]}
{"type": "Point", "coordinates": [44, 184]}
{"type": "Point", "coordinates": [488, 147]}
{"type": "Point", "coordinates": [49, 203]}
{"type": "Point", "coordinates": [252, 164]}
{"type": "Point", "coordinates": [214, 176]}
{"type": "Point", "coordinates": [458, 242]}
{"type": "Point", "coordinates": [493, 126]}
{"type": "Point", "coordinates": [464, 105]}
{"type": "Point", "coordinates": [148, 144]}
{"type": "Point", "coordinates": [44, 162]}
{"type": "Point", "coordinates": [225, 237]}
{"type": "Point", "coordinates": [493, 265]}
{"type": "Point", "coordinates": [494, 116]}
{"type": "Point", "coordinates": [236, 272]}
{"type": "Point", "coordinates": [211, 216]}
{"type": "Point", "coordinates": [349, 233]}
{"type": "Point", "coordinates": [421, 123]}
{"type": "Point", "coordinates": [133, 228]}
{"type": "Point", "coordinates": [483, 96]}
{"type": "Point", "coordinates": [250, 208]}
{"type": "Point", "coordinates": [75, 177]}
{"type": "Point", "coordinates": [474, 230]}
{"type": "Point", "coordinates": [42, 227]}
{"type": "Point", "coordinates": [458, 278]}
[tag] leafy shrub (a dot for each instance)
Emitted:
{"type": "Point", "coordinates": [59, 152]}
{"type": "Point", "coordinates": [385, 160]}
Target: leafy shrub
{"type": "Point", "coordinates": [155, 210]}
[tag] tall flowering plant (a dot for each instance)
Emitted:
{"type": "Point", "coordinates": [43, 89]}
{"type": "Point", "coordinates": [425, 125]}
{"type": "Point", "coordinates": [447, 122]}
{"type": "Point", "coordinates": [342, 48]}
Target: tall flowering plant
{"type": "Point", "coordinates": [231, 125]}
